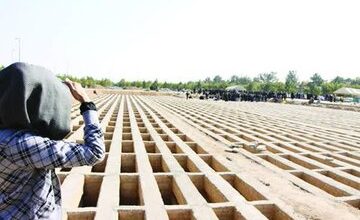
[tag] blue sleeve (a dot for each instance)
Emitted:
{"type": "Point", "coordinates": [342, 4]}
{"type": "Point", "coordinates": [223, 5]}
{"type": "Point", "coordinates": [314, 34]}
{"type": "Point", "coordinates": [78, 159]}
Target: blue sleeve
{"type": "Point", "coordinates": [29, 150]}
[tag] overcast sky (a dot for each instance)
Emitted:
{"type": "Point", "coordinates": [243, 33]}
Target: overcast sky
{"type": "Point", "coordinates": [185, 39]}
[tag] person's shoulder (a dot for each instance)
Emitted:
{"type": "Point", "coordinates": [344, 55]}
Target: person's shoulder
{"type": "Point", "coordinates": [5, 133]}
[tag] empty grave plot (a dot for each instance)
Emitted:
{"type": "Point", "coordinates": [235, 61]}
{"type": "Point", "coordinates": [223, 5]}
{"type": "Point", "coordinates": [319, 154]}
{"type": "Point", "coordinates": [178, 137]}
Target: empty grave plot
{"type": "Point", "coordinates": [171, 158]}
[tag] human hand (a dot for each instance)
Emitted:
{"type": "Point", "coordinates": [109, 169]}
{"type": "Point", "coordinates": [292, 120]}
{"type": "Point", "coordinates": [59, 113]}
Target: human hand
{"type": "Point", "coordinates": [77, 91]}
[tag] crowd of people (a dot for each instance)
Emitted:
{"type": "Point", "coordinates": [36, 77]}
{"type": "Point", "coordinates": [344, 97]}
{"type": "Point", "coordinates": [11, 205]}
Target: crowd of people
{"type": "Point", "coordinates": [254, 96]}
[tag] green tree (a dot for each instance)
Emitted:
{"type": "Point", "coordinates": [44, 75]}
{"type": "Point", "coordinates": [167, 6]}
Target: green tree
{"type": "Point", "coordinates": [190, 85]}
{"type": "Point", "coordinates": [355, 81]}
{"type": "Point", "coordinates": [223, 85]}
{"type": "Point", "coordinates": [234, 79]}
{"type": "Point", "coordinates": [179, 86]}
{"type": "Point", "coordinates": [338, 80]}
{"type": "Point", "coordinates": [166, 85]}
{"type": "Point", "coordinates": [316, 80]}
{"type": "Point", "coordinates": [291, 82]}
{"type": "Point", "coordinates": [315, 84]}
{"type": "Point", "coordinates": [330, 87]}
{"type": "Point", "coordinates": [198, 85]}
{"type": "Point", "coordinates": [133, 84]}
{"type": "Point", "coordinates": [217, 79]}
{"type": "Point", "coordinates": [278, 87]}
{"type": "Point", "coordinates": [267, 81]}
{"type": "Point", "coordinates": [154, 85]}
{"type": "Point", "coordinates": [303, 87]}
{"type": "Point", "coordinates": [316, 90]}
{"type": "Point", "coordinates": [121, 83]}
{"type": "Point", "coordinates": [138, 84]}
{"type": "Point", "coordinates": [105, 82]}
{"type": "Point", "coordinates": [244, 80]}
{"type": "Point", "coordinates": [88, 82]}
{"type": "Point", "coordinates": [253, 86]}
{"type": "Point", "coordinates": [268, 77]}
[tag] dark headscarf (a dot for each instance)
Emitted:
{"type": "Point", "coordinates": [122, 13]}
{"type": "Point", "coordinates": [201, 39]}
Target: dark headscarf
{"type": "Point", "coordinates": [32, 97]}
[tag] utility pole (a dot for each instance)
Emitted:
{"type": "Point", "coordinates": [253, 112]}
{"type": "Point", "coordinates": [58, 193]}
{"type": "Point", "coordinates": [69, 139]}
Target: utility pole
{"type": "Point", "coordinates": [19, 47]}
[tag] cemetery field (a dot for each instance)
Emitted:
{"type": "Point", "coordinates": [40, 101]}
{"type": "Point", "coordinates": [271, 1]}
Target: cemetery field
{"type": "Point", "coordinates": [172, 158]}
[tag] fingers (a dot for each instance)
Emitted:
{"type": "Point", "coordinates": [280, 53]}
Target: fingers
{"type": "Point", "coordinates": [70, 84]}
{"type": "Point", "coordinates": [77, 91]}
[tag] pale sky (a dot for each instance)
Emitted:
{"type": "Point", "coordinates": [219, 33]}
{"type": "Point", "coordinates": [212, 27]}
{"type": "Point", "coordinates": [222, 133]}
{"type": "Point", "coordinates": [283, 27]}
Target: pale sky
{"type": "Point", "coordinates": [184, 40]}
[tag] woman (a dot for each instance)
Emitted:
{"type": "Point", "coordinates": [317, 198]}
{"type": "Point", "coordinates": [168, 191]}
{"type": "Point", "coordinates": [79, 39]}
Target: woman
{"type": "Point", "coordinates": [35, 111]}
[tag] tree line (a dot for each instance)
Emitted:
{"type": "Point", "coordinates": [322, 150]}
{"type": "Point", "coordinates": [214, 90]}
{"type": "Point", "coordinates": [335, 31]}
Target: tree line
{"type": "Point", "coordinates": [267, 82]}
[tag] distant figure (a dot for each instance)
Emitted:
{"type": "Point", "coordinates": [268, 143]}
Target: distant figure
{"type": "Point", "coordinates": [206, 95]}
{"type": "Point", "coordinates": [311, 100]}
{"type": "Point", "coordinates": [187, 94]}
